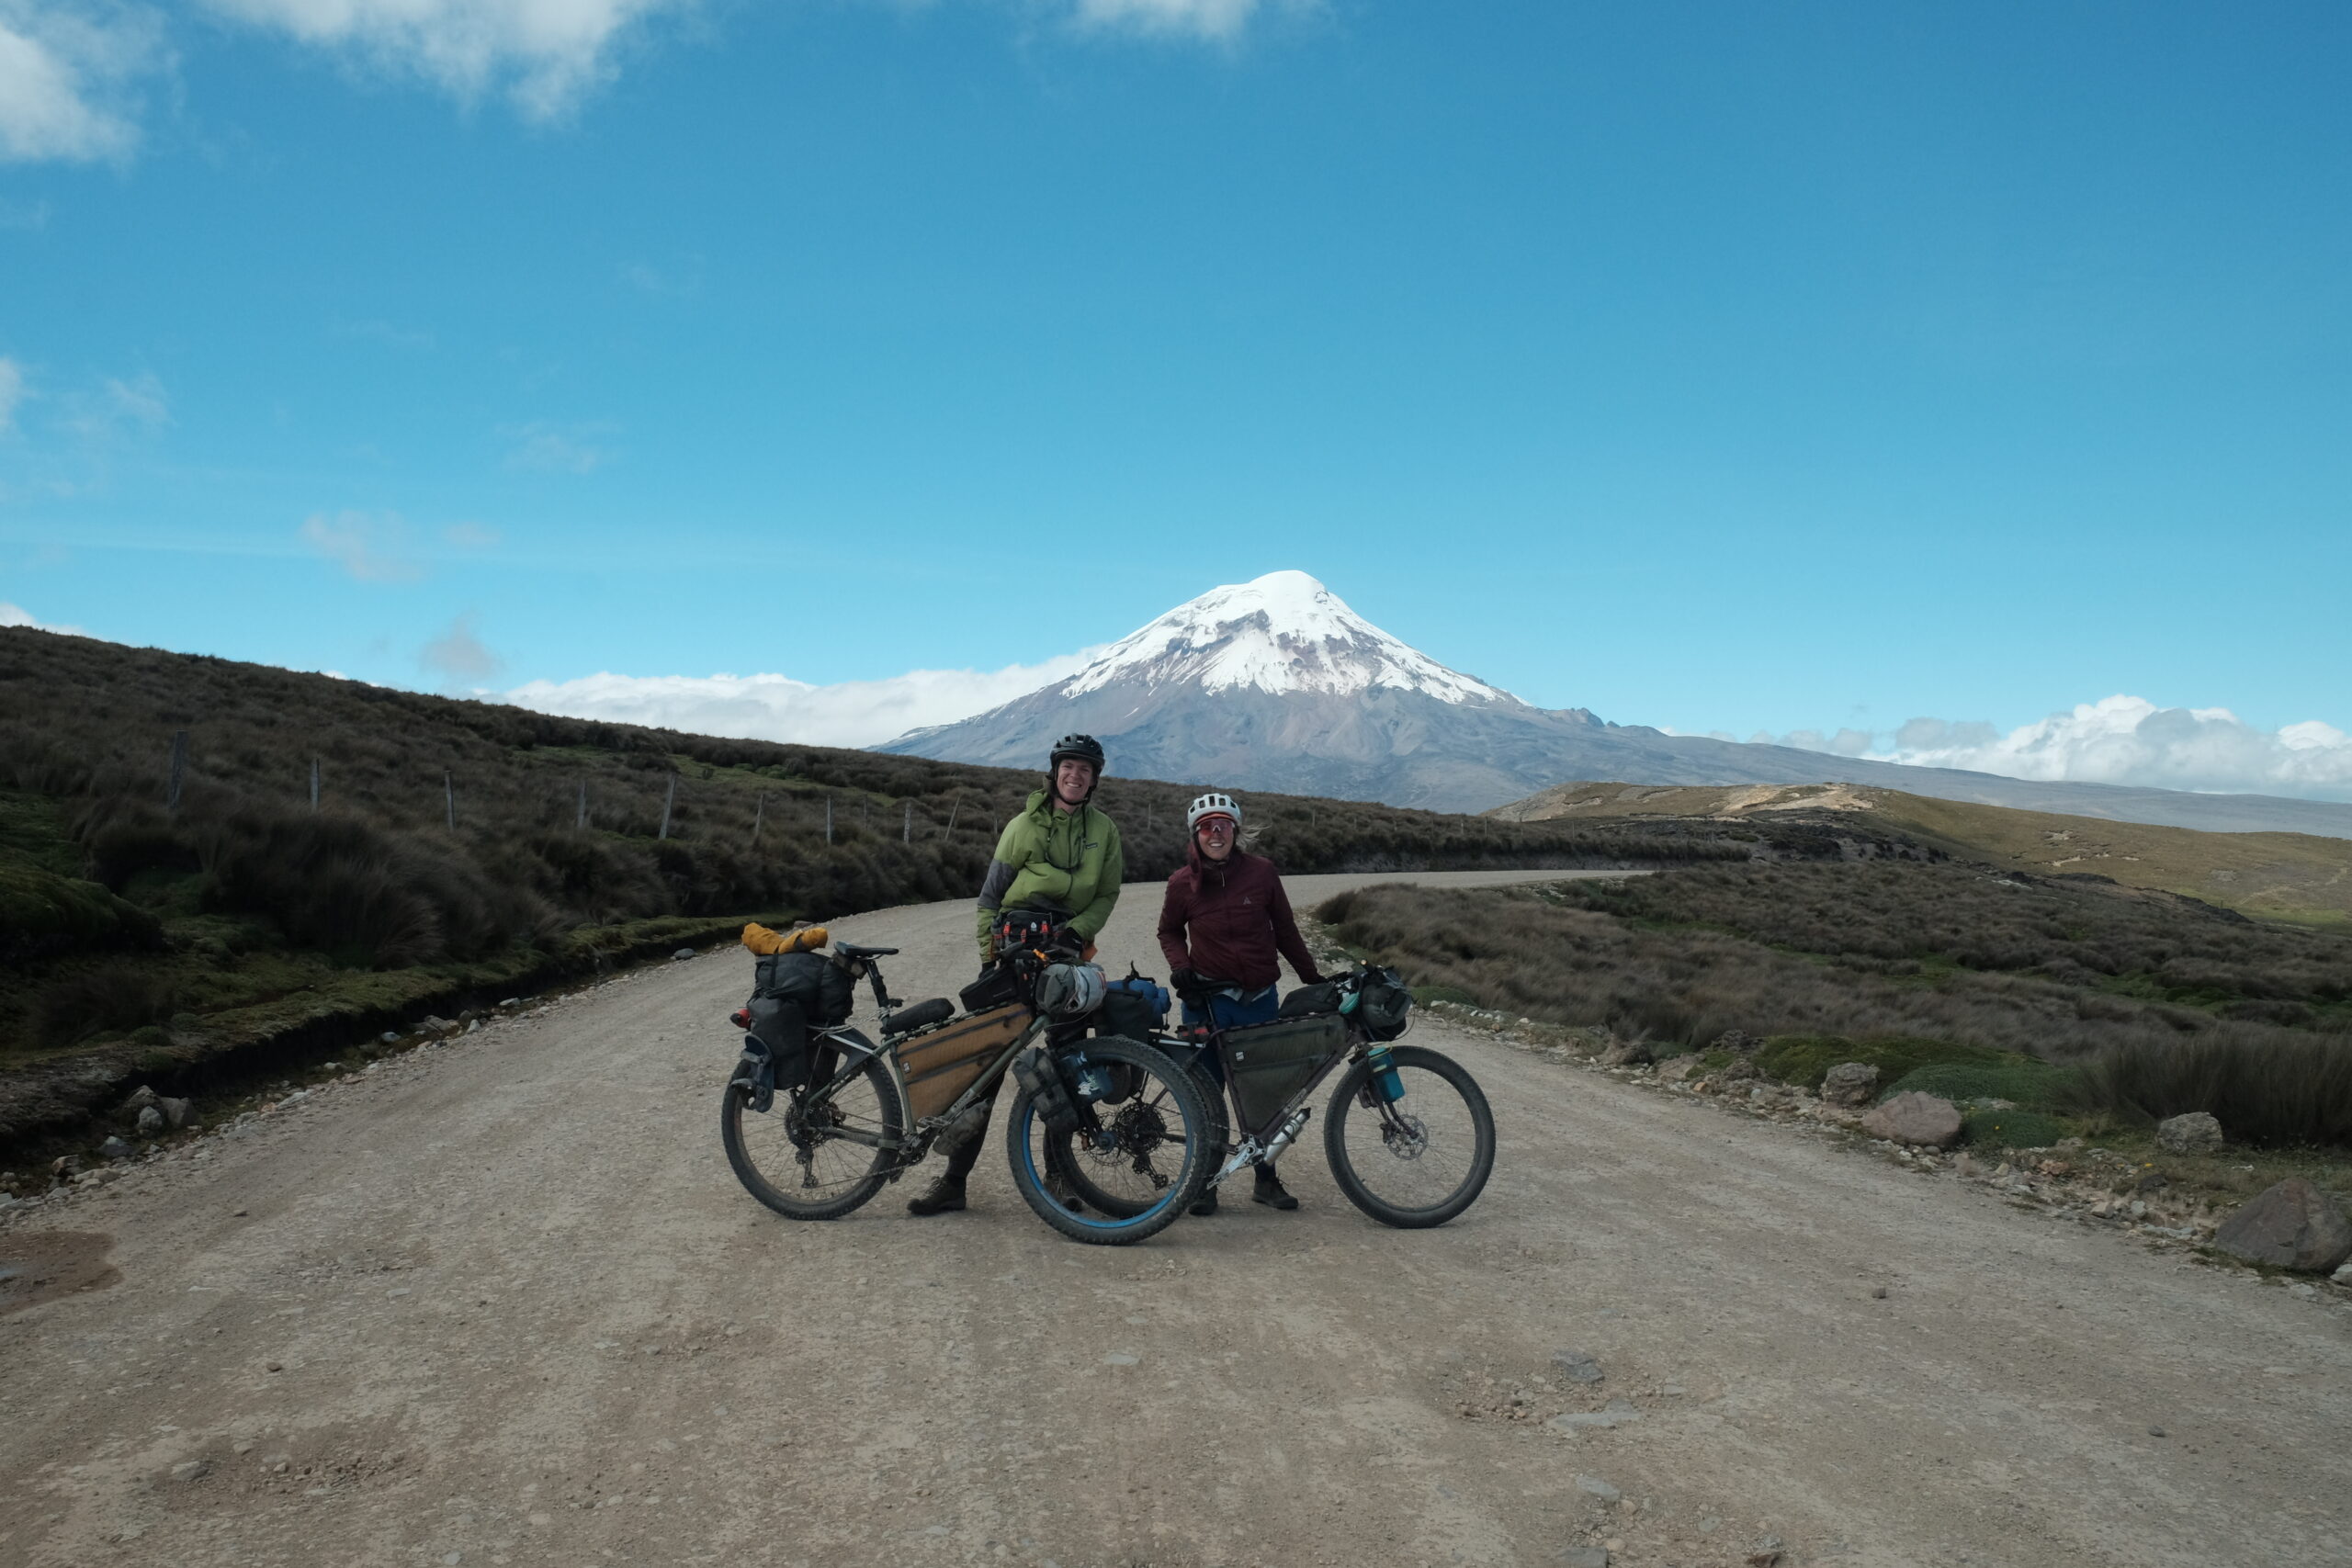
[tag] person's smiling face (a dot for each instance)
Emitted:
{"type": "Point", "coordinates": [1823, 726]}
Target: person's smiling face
{"type": "Point", "coordinates": [1215, 835]}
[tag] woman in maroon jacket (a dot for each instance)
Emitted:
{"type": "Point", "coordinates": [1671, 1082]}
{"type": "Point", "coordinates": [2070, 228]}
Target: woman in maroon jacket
{"type": "Point", "coordinates": [1223, 923]}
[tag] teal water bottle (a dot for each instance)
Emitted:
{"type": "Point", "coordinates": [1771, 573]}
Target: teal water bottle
{"type": "Point", "coordinates": [1384, 1074]}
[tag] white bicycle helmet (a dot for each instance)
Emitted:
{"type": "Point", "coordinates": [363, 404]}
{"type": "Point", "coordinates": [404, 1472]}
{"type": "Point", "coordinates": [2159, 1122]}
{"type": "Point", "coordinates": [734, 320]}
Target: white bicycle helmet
{"type": "Point", "coordinates": [1070, 990]}
{"type": "Point", "coordinates": [1214, 804]}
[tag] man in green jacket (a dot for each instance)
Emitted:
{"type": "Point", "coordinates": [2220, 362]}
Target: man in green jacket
{"type": "Point", "coordinates": [1059, 854]}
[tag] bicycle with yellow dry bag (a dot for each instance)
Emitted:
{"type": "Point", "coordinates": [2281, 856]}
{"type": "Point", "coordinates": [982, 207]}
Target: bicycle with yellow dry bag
{"type": "Point", "coordinates": [819, 1117]}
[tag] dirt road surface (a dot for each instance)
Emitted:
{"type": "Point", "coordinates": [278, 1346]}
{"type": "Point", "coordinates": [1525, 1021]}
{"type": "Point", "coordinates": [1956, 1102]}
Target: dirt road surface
{"type": "Point", "coordinates": [501, 1302]}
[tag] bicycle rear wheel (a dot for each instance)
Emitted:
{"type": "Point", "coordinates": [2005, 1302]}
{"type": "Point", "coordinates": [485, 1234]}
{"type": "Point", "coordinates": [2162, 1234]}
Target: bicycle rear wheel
{"type": "Point", "coordinates": [1418, 1162]}
{"type": "Point", "coordinates": [818, 1152]}
{"type": "Point", "coordinates": [1137, 1161]}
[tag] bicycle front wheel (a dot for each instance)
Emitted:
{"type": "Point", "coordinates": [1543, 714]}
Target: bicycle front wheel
{"type": "Point", "coordinates": [1421, 1160]}
{"type": "Point", "coordinates": [1137, 1161]}
{"type": "Point", "coordinates": [818, 1152]}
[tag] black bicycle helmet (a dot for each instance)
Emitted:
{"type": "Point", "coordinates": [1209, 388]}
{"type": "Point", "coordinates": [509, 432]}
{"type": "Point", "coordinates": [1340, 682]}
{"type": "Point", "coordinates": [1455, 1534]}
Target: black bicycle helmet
{"type": "Point", "coordinates": [1078, 748]}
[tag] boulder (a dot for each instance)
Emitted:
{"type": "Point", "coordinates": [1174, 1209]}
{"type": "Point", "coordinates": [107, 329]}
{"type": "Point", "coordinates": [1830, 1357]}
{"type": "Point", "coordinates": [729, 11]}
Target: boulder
{"type": "Point", "coordinates": [1629, 1053]}
{"type": "Point", "coordinates": [151, 1121]}
{"type": "Point", "coordinates": [175, 1111]}
{"type": "Point", "coordinates": [1850, 1083]}
{"type": "Point", "coordinates": [2291, 1226]}
{"type": "Point", "coordinates": [115, 1148]}
{"type": "Point", "coordinates": [1921, 1120]}
{"type": "Point", "coordinates": [1739, 1069]}
{"type": "Point", "coordinates": [141, 1098]}
{"type": "Point", "coordinates": [681, 955]}
{"type": "Point", "coordinates": [2195, 1134]}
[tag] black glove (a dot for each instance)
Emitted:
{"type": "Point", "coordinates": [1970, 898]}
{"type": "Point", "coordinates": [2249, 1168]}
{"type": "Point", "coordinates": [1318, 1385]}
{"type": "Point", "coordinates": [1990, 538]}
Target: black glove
{"type": "Point", "coordinates": [1184, 982]}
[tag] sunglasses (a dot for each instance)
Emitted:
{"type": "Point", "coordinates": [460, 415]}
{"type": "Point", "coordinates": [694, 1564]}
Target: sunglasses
{"type": "Point", "coordinates": [1214, 825]}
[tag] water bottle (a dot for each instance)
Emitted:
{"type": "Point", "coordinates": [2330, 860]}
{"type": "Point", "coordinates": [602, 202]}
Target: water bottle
{"type": "Point", "coordinates": [1384, 1074]}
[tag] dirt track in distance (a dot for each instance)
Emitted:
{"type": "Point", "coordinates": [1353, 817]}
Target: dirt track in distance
{"type": "Point", "coordinates": [502, 1301]}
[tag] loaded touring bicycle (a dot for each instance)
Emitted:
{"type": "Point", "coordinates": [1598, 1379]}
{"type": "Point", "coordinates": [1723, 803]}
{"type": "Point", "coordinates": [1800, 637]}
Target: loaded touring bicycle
{"type": "Point", "coordinates": [819, 1117]}
{"type": "Point", "coordinates": [1408, 1132]}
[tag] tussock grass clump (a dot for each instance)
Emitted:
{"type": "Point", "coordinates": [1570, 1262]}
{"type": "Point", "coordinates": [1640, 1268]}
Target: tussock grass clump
{"type": "Point", "coordinates": [2011, 1129]}
{"type": "Point", "coordinates": [117, 997]}
{"type": "Point", "coordinates": [2263, 1088]}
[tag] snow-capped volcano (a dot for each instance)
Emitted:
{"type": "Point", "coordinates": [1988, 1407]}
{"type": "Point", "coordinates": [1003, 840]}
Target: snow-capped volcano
{"type": "Point", "coordinates": [1275, 684]}
{"type": "Point", "coordinates": [1282, 632]}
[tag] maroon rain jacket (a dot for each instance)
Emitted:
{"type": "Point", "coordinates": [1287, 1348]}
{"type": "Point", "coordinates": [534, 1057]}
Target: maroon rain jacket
{"type": "Point", "coordinates": [1234, 917]}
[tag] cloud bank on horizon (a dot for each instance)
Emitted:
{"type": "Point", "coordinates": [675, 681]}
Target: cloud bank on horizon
{"type": "Point", "coordinates": [777, 707]}
{"type": "Point", "coordinates": [2120, 739]}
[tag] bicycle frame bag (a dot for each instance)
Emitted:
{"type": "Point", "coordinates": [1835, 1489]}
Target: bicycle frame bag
{"type": "Point", "coordinates": [941, 1062]}
{"type": "Point", "coordinates": [824, 989]}
{"type": "Point", "coordinates": [1268, 1063]}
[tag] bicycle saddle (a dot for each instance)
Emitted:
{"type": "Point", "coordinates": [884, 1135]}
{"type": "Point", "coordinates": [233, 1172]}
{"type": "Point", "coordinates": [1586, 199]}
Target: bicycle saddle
{"type": "Point", "coordinates": [851, 950]}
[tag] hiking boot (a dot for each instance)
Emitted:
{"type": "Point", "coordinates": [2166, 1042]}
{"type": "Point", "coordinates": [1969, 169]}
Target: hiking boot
{"type": "Point", "coordinates": [1269, 1190]}
{"type": "Point", "coordinates": [1206, 1203]}
{"type": "Point", "coordinates": [942, 1196]}
{"type": "Point", "coordinates": [1058, 1189]}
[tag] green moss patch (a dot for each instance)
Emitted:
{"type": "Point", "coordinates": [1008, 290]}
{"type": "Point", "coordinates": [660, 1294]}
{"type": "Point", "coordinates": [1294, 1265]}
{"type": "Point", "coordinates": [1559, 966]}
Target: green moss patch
{"type": "Point", "coordinates": [1804, 1059]}
{"type": "Point", "coordinates": [2011, 1129]}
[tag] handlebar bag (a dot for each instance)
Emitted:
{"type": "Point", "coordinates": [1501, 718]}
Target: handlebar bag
{"type": "Point", "coordinates": [1384, 1004]}
{"type": "Point", "coordinates": [941, 1062]}
{"type": "Point", "coordinates": [1268, 1063]}
{"type": "Point", "coordinates": [1135, 1008]}
{"type": "Point", "coordinates": [824, 989]}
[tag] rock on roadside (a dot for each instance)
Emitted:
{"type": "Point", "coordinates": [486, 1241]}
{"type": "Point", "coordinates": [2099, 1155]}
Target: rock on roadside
{"type": "Point", "coordinates": [1850, 1083]}
{"type": "Point", "coordinates": [2195, 1134]}
{"type": "Point", "coordinates": [1921, 1120]}
{"type": "Point", "coordinates": [2291, 1226]}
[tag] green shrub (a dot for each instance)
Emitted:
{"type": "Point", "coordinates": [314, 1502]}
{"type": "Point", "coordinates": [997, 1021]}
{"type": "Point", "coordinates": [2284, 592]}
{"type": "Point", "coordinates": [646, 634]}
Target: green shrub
{"type": "Point", "coordinates": [2021, 1079]}
{"type": "Point", "coordinates": [2011, 1129]}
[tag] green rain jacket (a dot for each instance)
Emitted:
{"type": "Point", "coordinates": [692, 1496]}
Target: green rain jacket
{"type": "Point", "coordinates": [1068, 861]}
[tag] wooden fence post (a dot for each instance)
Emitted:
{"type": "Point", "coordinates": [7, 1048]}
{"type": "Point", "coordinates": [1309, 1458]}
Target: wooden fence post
{"type": "Point", "coordinates": [314, 783]}
{"type": "Point", "coordinates": [829, 818]}
{"type": "Point", "coordinates": [667, 802]}
{"type": "Point", "coordinates": [907, 829]}
{"type": "Point", "coordinates": [580, 820]}
{"type": "Point", "coordinates": [450, 798]}
{"type": "Point", "coordinates": [179, 770]}
{"type": "Point", "coordinates": [949, 831]}
{"type": "Point", "coordinates": [758, 812]}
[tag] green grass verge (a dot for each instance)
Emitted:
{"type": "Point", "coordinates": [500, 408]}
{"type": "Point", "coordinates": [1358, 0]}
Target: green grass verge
{"type": "Point", "coordinates": [1804, 1059]}
{"type": "Point", "coordinates": [2012, 1129]}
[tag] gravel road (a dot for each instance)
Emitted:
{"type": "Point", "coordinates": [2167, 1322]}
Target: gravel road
{"type": "Point", "coordinates": [501, 1302]}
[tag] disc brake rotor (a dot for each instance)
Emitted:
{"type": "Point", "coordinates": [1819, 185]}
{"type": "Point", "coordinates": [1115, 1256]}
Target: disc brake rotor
{"type": "Point", "coordinates": [1408, 1137]}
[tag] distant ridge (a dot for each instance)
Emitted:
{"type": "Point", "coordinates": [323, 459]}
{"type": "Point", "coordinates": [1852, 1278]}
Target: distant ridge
{"type": "Point", "coordinates": [1277, 684]}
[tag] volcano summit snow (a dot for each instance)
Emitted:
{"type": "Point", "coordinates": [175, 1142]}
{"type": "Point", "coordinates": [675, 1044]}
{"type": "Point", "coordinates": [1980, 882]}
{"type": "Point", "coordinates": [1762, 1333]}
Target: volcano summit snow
{"type": "Point", "coordinates": [1276, 685]}
{"type": "Point", "coordinates": [1284, 632]}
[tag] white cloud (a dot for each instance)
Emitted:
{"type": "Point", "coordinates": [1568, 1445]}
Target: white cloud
{"type": "Point", "coordinates": [141, 401]}
{"type": "Point", "coordinates": [545, 448]}
{"type": "Point", "coordinates": [2130, 740]}
{"type": "Point", "coordinates": [1200, 18]}
{"type": "Point", "coordinates": [460, 654]}
{"type": "Point", "coordinates": [66, 70]}
{"type": "Point", "coordinates": [372, 549]}
{"type": "Point", "coordinates": [16, 616]}
{"type": "Point", "coordinates": [777, 707]}
{"type": "Point", "coordinates": [471, 536]}
{"type": "Point", "coordinates": [12, 392]}
{"type": "Point", "coordinates": [542, 54]}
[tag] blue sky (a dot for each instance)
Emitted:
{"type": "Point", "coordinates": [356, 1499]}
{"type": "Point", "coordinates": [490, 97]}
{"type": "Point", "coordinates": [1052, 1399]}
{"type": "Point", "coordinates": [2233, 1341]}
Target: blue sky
{"type": "Point", "coordinates": [1726, 368]}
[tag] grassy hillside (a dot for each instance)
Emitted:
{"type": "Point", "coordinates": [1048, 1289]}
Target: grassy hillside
{"type": "Point", "coordinates": [461, 849]}
{"type": "Point", "coordinates": [2284, 876]}
{"type": "Point", "coordinates": [1964, 980]}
